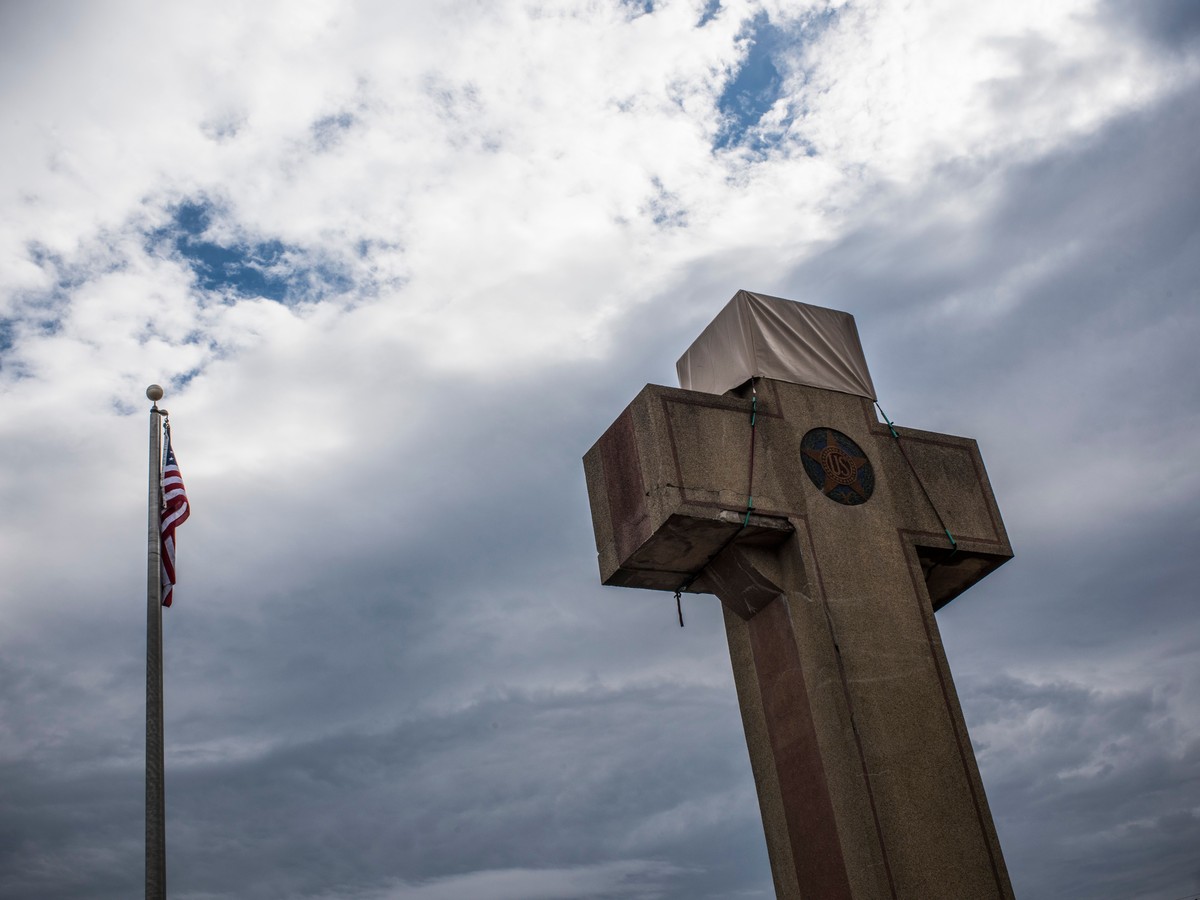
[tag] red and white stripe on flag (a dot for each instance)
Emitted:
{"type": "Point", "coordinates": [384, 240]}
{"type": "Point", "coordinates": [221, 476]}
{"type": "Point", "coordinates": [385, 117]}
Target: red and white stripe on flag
{"type": "Point", "coordinates": [175, 511]}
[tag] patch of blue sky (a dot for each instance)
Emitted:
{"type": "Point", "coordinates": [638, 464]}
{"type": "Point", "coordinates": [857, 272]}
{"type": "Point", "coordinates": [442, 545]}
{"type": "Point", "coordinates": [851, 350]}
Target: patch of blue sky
{"type": "Point", "coordinates": [758, 85]}
{"type": "Point", "coordinates": [68, 274]}
{"type": "Point", "coordinates": [40, 310]}
{"type": "Point", "coordinates": [639, 7]}
{"type": "Point", "coordinates": [329, 130]}
{"type": "Point", "coordinates": [711, 8]}
{"type": "Point", "coordinates": [269, 269]}
{"type": "Point", "coordinates": [178, 382]}
{"type": "Point", "coordinates": [664, 208]}
{"type": "Point", "coordinates": [247, 269]}
{"type": "Point", "coordinates": [14, 331]}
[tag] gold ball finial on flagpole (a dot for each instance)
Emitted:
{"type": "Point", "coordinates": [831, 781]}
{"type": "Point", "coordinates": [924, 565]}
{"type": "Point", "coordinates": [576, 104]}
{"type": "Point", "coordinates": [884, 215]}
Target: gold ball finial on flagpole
{"type": "Point", "coordinates": [154, 392]}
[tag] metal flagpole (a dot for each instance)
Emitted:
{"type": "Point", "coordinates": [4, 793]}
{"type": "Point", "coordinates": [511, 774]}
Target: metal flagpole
{"type": "Point", "coordinates": [156, 811]}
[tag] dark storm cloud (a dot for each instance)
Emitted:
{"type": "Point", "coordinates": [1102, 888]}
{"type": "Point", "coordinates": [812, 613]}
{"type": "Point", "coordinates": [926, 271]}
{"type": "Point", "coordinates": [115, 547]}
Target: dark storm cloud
{"type": "Point", "coordinates": [550, 780]}
{"type": "Point", "coordinates": [1094, 790]}
{"type": "Point", "coordinates": [460, 579]}
{"type": "Point", "coordinates": [70, 833]}
{"type": "Point", "coordinates": [453, 704]}
{"type": "Point", "coordinates": [1174, 24]}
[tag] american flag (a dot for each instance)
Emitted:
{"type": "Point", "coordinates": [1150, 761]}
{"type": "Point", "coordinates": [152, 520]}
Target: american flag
{"type": "Point", "coordinates": [175, 511]}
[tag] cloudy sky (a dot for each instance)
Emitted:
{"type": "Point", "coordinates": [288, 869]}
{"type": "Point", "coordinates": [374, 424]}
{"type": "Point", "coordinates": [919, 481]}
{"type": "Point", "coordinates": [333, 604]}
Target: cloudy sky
{"type": "Point", "coordinates": [399, 264]}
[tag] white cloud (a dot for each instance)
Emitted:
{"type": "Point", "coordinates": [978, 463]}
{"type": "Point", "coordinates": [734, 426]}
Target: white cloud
{"type": "Point", "coordinates": [902, 89]}
{"type": "Point", "coordinates": [455, 164]}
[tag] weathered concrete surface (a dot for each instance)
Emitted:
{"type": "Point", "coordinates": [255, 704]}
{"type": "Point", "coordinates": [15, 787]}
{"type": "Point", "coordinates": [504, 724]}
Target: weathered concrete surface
{"type": "Point", "coordinates": [866, 778]}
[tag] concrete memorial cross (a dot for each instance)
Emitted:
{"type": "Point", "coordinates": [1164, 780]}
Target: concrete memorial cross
{"type": "Point", "coordinates": [830, 538]}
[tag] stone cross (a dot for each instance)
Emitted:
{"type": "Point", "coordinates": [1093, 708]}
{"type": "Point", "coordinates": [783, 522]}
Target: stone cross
{"type": "Point", "coordinates": [830, 538]}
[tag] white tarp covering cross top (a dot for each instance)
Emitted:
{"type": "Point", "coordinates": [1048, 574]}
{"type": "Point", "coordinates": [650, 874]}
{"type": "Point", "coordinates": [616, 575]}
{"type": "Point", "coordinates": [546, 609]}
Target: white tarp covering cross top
{"type": "Point", "coordinates": [760, 336]}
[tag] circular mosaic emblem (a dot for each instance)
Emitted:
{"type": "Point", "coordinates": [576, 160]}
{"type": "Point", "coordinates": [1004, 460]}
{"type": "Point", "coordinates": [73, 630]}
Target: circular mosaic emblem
{"type": "Point", "coordinates": [837, 466]}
